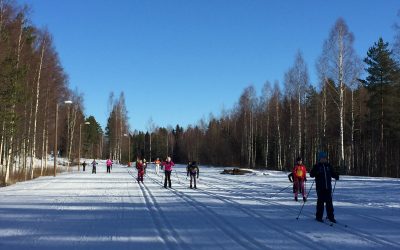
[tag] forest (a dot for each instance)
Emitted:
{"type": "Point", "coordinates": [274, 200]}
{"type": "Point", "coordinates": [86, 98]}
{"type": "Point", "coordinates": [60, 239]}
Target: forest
{"type": "Point", "coordinates": [351, 113]}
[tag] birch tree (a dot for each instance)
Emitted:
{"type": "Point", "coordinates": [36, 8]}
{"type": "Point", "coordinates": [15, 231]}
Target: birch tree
{"type": "Point", "coordinates": [340, 55]}
{"type": "Point", "coordinates": [296, 81]}
{"type": "Point", "coordinates": [266, 102]}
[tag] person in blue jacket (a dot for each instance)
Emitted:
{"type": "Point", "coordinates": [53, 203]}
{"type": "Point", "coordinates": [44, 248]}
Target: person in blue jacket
{"type": "Point", "coordinates": [323, 173]}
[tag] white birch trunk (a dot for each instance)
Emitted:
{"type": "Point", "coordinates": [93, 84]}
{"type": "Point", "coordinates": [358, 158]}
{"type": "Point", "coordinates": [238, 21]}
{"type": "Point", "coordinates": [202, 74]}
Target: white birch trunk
{"type": "Point", "coordinates": [351, 165]}
{"type": "Point", "coordinates": [267, 140]}
{"type": "Point", "coordinates": [341, 99]}
{"type": "Point", "coordinates": [279, 135]}
{"type": "Point", "coordinates": [42, 156]}
{"type": "Point", "coordinates": [305, 132]}
{"type": "Point", "coordinates": [71, 138]}
{"type": "Point", "coordinates": [290, 129]}
{"type": "Point", "coordinates": [28, 143]}
{"type": "Point", "coordinates": [44, 146]}
{"type": "Point", "coordinates": [299, 122]}
{"type": "Point", "coordinates": [324, 117]}
{"type": "Point", "coordinates": [8, 160]}
{"type": "Point", "coordinates": [37, 107]}
{"type": "Point", "coordinates": [46, 149]}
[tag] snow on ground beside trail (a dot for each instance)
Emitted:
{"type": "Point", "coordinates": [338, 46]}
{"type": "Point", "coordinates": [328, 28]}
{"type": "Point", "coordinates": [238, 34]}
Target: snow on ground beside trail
{"type": "Point", "coordinates": [80, 210]}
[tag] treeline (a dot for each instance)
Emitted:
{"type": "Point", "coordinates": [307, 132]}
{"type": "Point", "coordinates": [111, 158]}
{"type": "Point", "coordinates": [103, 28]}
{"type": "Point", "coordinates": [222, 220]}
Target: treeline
{"type": "Point", "coordinates": [33, 91]}
{"type": "Point", "coordinates": [352, 114]}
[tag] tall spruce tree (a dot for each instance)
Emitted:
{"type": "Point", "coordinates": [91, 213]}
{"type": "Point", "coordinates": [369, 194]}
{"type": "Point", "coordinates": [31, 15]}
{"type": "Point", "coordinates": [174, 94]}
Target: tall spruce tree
{"type": "Point", "coordinates": [381, 83]}
{"type": "Point", "coordinates": [383, 74]}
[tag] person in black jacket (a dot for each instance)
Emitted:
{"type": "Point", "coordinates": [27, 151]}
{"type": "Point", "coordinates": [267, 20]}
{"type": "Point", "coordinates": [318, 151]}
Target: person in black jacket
{"type": "Point", "coordinates": [323, 173]}
{"type": "Point", "coordinates": [193, 170]}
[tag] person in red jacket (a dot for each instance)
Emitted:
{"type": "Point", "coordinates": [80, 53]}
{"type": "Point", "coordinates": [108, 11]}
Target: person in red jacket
{"type": "Point", "coordinates": [167, 165]}
{"type": "Point", "coordinates": [299, 178]}
{"type": "Point", "coordinates": [140, 170]}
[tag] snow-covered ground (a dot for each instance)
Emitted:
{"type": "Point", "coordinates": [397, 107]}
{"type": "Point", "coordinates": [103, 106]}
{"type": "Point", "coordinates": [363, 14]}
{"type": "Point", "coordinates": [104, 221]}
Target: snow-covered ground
{"type": "Point", "coordinates": [80, 210]}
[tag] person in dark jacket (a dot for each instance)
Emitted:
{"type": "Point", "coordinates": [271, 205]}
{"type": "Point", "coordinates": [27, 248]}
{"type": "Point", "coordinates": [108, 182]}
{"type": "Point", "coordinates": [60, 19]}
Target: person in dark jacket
{"type": "Point", "coordinates": [323, 173]}
{"type": "Point", "coordinates": [84, 165]}
{"type": "Point", "coordinates": [94, 164]}
{"type": "Point", "coordinates": [193, 170]}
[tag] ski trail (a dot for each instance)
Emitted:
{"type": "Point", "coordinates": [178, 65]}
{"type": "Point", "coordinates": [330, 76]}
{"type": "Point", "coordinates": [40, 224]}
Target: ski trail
{"type": "Point", "coordinates": [231, 230]}
{"type": "Point", "coordinates": [351, 230]}
{"type": "Point", "coordinates": [167, 233]}
{"type": "Point", "coordinates": [265, 221]}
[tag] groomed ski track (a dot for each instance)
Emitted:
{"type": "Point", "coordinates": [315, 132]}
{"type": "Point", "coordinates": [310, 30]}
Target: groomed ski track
{"type": "Point", "coordinates": [80, 210]}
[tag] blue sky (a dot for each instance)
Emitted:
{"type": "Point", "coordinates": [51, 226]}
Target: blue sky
{"type": "Point", "coordinates": [177, 61]}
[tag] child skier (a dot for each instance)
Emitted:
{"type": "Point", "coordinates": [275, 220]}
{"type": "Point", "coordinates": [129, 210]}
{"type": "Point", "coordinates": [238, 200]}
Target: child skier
{"type": "Point", "coordinates": [94, 164]}
{"type": "Point", "coordinates": [157, 162]}
{"type": "Point", "coordinates": [193, 170]}
{"type": "Point", "coordinates": [298, 177]}
{"type": "Point", "coordinates": [84, 166]}
{"type": "Point", "coordinates": [167, 164]}
{"type": "Point", "coordinates": [109, 164]}
{"type": "Point", "coordinates": [144, 166]}
{"type": "Point", "coordinates": [140, 170]}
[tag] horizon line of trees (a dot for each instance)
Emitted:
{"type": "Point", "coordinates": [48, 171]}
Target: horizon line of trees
{"type": "Point", "coordinates": [356, 121]}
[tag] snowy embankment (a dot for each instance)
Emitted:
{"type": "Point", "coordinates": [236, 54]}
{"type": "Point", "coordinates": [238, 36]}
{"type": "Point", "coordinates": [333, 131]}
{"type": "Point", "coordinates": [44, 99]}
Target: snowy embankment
{"type": "Point", "coordinates": [80, 210]}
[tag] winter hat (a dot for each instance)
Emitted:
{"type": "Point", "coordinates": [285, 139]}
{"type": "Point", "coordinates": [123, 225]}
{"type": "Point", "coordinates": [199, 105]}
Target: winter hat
{"type": "Point", "coordinates": [299, 159]}
{"type": "Point", "coordinates": [321, 155]}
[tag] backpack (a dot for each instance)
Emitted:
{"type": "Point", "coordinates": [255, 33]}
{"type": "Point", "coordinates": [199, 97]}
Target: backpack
{"type": "Point", "coordinates": [299, 172]}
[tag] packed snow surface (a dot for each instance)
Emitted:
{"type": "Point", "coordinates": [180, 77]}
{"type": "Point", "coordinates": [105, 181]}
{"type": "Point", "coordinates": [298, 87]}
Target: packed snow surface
{"type": "Point", "coordinates": [81, 210]}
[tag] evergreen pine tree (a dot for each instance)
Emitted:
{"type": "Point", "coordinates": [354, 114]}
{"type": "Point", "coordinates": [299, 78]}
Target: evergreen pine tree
{"type": "Point", "coordinates": [381, 83]}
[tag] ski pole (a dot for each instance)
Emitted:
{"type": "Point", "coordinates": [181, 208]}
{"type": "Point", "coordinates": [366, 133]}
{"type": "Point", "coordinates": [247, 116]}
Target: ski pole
{"type": "Point", "coordinates": [177, 176]}
{"type": "Point", "coordinates": [334, 186]}
{"type": "Point", "coordinates": [281, 190]}
{"type": "Point", "coordinates": [304, 201]}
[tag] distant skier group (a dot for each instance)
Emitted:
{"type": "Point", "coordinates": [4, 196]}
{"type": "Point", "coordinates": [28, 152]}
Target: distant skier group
{"type": "Point", "coordinates": [192, 170]}
{"type": "Point", "coordinates": [94, 164]}
{"type": "Point", "coordinates": [323, 173]}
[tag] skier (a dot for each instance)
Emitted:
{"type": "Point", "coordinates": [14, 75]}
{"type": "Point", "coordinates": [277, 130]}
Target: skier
{"type": "Point", "coordinates": [84, 165]}
{"type": "Point", "coordinates": [298, 177]}
{"type": "Point", "coordinates": [109, 164]}
{"type": "Point", "coordinates": [144, 166]}
{"type": "Point", "coordinates": [157, 162]}
{"type": "Point", "coordinates": [323, 173]}
{"type": "Point", "coordinates": [140, 170]}
{"type": "Point", "coordinates": [193, 170]}
{"type": "Point", "coordinates": [94, 164]}
{"type": "Point", "coordinates": [167, 164]}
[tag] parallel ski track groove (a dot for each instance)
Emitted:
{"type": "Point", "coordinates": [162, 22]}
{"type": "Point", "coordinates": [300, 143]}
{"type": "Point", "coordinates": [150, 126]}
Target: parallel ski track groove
{"type": "Point", "coordinates": [265, 221]}
{"type": "Point", "coordinates": [233, 232]}
{"type": "Point", "coordinates": [170, 239]}
{"type": "Point", "coordinates": [252, 191]}
{"type": "Point", "coordinates": [377, 240]}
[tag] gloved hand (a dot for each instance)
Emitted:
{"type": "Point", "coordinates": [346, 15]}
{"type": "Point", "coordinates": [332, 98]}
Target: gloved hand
{"type": "Point", "coordinates": [197, 177]}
